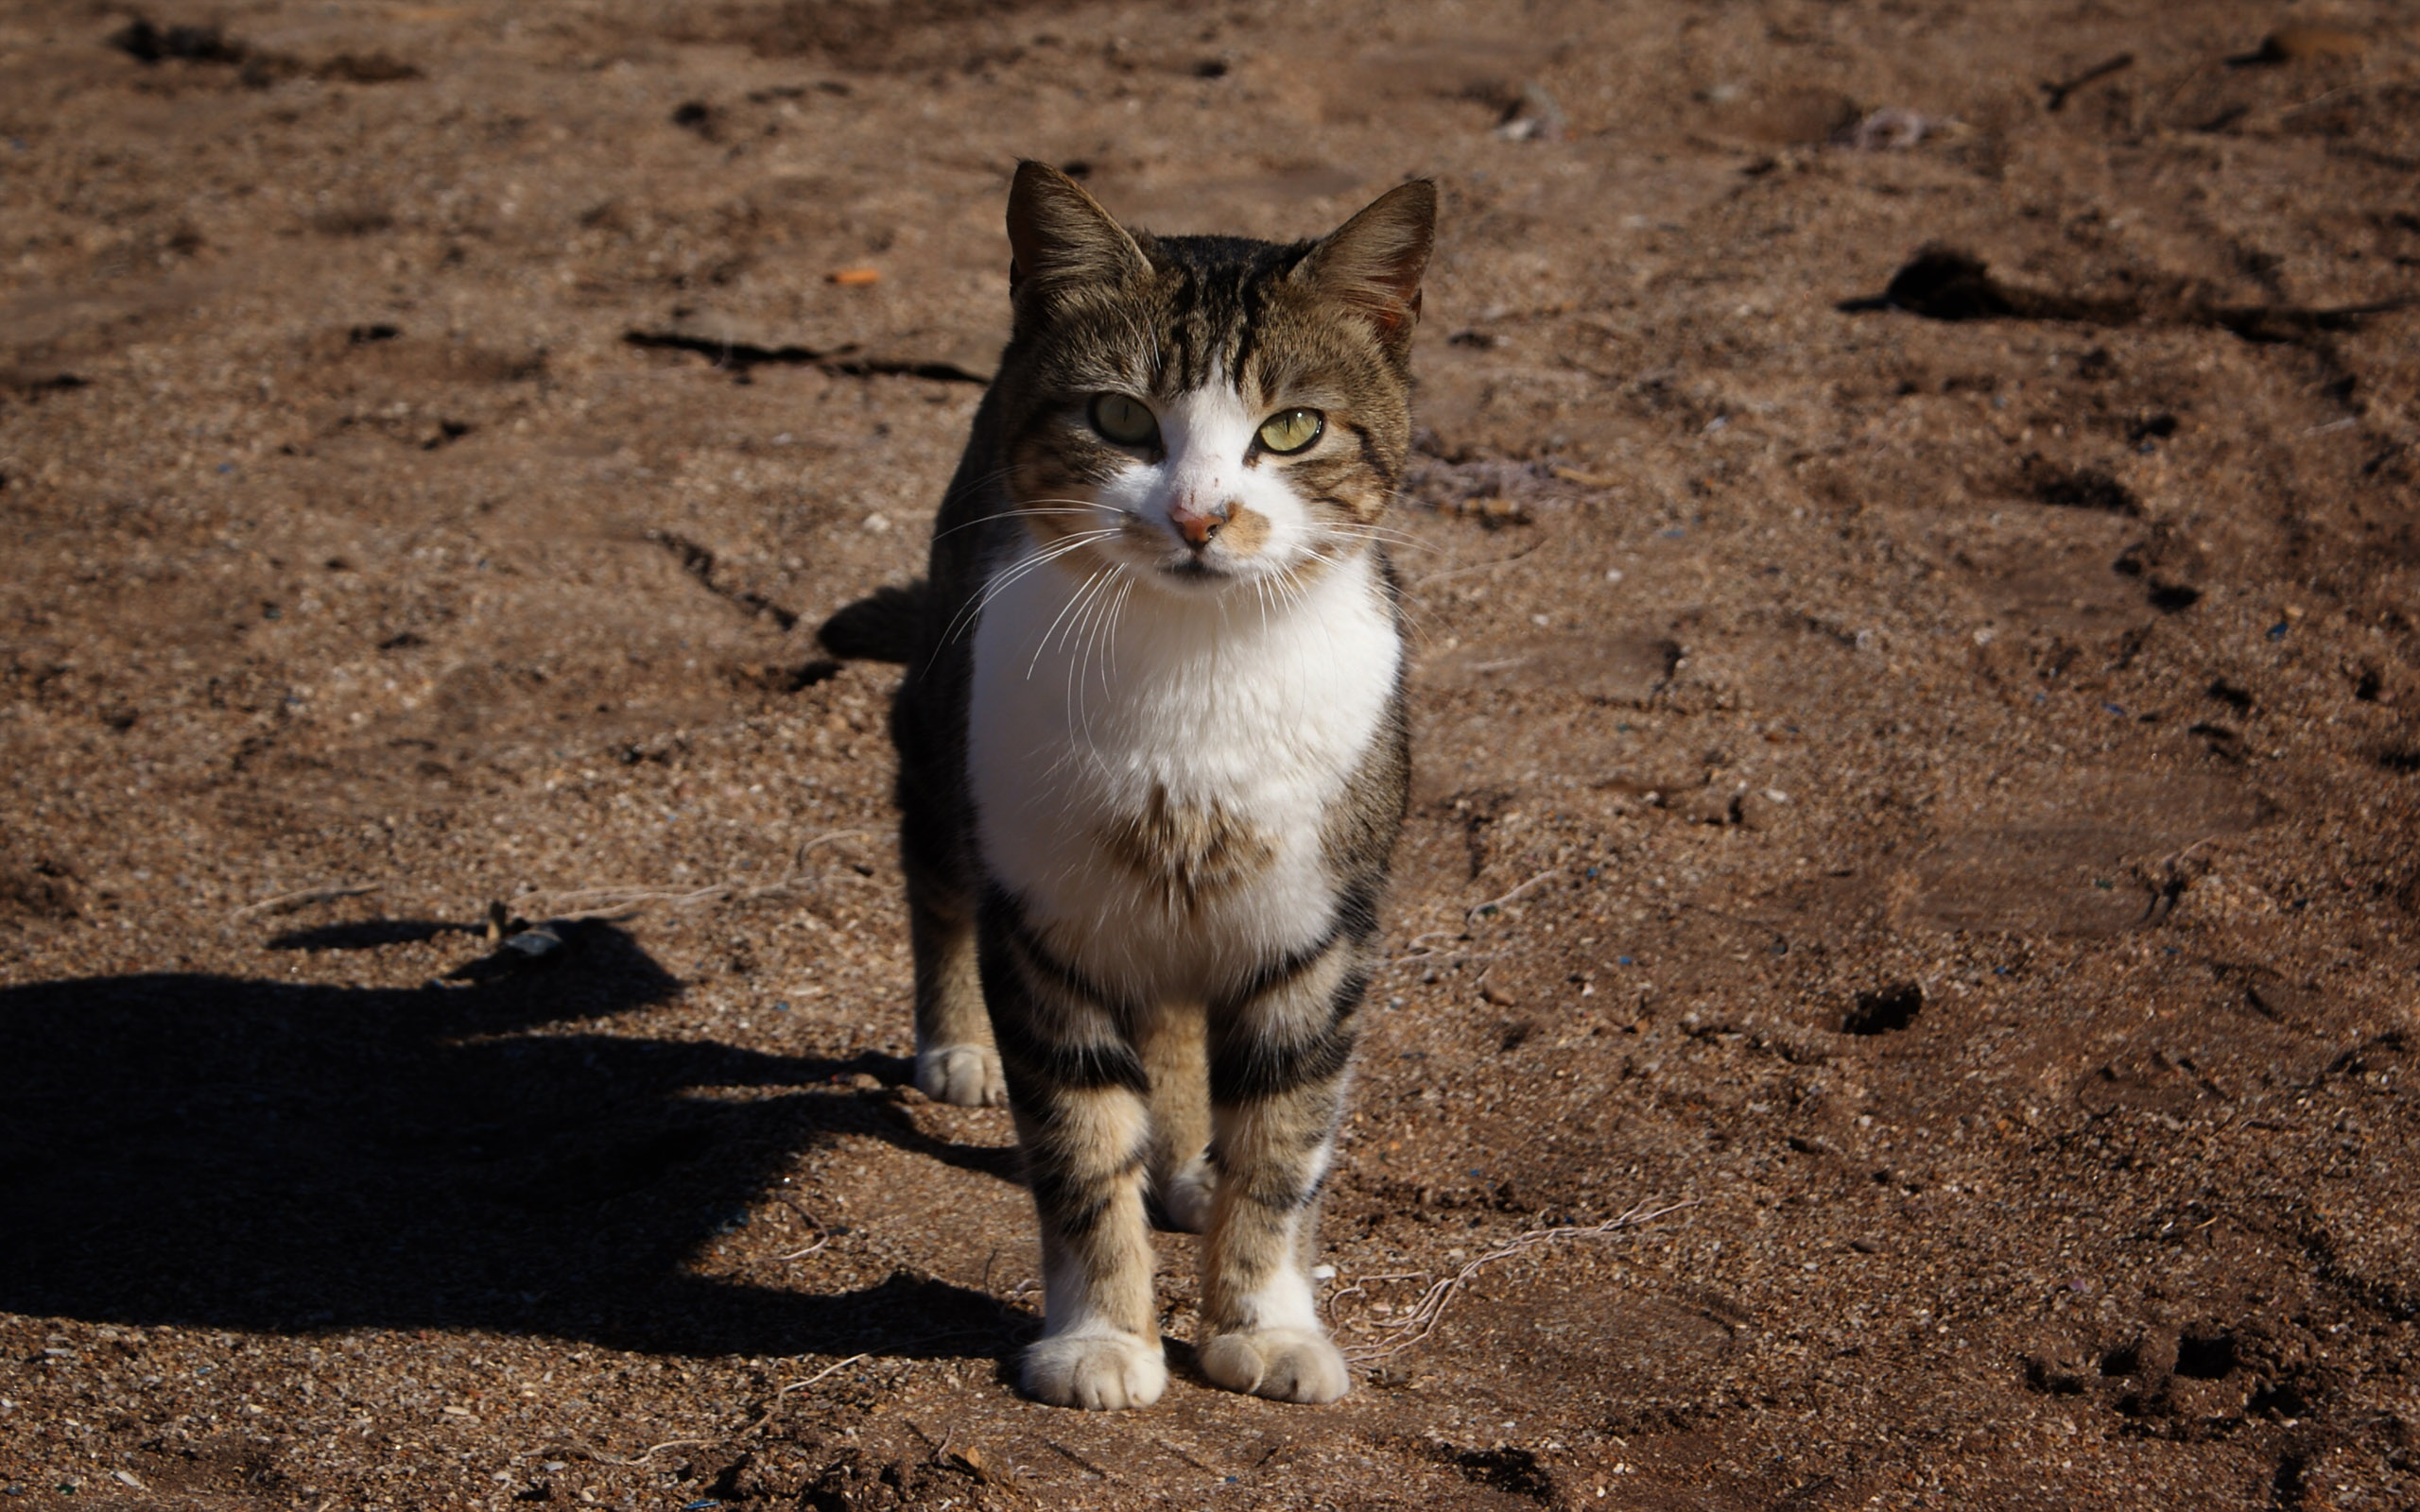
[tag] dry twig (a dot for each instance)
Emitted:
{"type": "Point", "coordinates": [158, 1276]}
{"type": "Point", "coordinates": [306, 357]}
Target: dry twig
{"type": "Point", "coordinates": [822, 1235]}
{"type": "Point", "coordinates": [1419, 941]}
{"type": "Point", "coordinates": [290, 903]}
{"type": "Point", "coordinates": [571, 904]}
{"type": "Point", "coordinates": [1078, 1460]}
{"type": "Point", "coordinates": [762, 1418]}
{"type": "Point", "coordinates": [2055, 94]}
{"type": "Point", "coordinates": [1419, 952]}
{"type": "Point", "coordinates": [1475, 909]}
{"type": "Point", "coordinates": [1445, 573]}
{"type": "Point", "coordinates": [1420, 949]}
{"type": "Point", "coordinates": [1415, 1325]}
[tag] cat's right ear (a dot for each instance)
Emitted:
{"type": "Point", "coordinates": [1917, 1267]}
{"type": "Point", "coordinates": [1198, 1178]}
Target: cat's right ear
{"type": "Point", "coordinates": [1058, 235]}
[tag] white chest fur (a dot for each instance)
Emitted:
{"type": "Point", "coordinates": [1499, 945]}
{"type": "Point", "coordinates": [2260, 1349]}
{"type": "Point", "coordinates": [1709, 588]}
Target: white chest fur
{"type": "Point", "coordinates": [1254, 715]}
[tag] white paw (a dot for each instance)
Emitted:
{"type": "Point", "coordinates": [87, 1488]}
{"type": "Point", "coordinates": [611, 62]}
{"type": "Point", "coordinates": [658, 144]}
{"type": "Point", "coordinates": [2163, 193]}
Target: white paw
{"type": "Point", "coordinates": [968, 1075]}
{"type": "Point", "coordinates": [1285, 1365]}
{"type": "Point", "coordinates": [1101, 1372]}
{"type": "Point", "coordinates": [1186, 1201]}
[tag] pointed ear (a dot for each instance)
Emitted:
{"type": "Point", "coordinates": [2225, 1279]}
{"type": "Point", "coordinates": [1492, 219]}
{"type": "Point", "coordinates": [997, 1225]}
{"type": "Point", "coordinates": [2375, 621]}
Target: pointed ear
{"type": "Point", "coordinates": [1375, 260]}
{"type": "Point", "coordinates": [1059, 235]}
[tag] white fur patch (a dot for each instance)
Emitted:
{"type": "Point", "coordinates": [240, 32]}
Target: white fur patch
{"type": "Point", "coordinates": [1262, 703]}
{"type": "Point", "coordinates": [1284, 1302]}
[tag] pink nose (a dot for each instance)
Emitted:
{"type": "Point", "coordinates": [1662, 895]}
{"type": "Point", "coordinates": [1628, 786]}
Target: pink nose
{"type": "Point", "coordinates": [1197, 527]}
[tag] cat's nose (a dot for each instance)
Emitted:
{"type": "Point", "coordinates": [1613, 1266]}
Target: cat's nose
{"type": "Point", "coordinates": [1198, 526]}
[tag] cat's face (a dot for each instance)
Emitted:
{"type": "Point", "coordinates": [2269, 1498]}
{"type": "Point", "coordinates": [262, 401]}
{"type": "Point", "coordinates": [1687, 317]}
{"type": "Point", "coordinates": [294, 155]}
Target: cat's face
{"type": "Point", "coordinates": [1207, 413]}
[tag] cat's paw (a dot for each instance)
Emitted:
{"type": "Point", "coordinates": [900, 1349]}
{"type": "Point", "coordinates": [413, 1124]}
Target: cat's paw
{"type": "Point", "coordinates": [1186, 1201]}
{"type": "Point", "coordinates": [1285, 1364]}
{"type": "Point", "coordinates": [968, 1075]}
{"type": "Point", "coordinates": [1100, 1372]}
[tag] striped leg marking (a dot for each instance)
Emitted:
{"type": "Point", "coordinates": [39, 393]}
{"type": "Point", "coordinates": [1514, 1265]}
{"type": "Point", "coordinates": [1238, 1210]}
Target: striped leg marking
{"type": "Point", "coordinates": [1278, 1057]}
{"type": "Point", "coordinates": [1078, 1093]}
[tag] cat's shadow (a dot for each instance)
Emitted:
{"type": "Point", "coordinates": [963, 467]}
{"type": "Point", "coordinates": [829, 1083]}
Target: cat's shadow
{"type": "Point", "coordinates": [266, 1154]}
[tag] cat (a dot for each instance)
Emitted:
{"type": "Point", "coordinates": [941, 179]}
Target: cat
{"type": "Point", "coordinates": [1153, 759]}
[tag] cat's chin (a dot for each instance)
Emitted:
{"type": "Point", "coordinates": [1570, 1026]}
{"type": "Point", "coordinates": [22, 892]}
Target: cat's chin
{"type": "Point", "coordinates": [1195, 578]}
{"type": "Point", "coordinates": [1199, 574]}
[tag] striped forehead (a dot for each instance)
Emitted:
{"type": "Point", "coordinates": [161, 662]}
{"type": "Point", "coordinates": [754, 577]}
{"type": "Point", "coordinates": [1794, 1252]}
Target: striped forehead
{"type": "Point", "coordinates": [1207, 338]}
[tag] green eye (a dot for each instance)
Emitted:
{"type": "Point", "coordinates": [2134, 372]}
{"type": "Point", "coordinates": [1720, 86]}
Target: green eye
{"type": "Point", "coordinates": [1124, 420]}
{"type": "Point", "coordinates": [1292, 430]}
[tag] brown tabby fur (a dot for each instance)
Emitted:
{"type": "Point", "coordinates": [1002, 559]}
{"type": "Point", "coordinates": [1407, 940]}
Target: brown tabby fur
{"type": "Point", "coordinates": [1116, 1096]}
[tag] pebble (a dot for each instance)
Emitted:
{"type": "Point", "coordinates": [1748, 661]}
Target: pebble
{"type": "Point", "coordinates": [536, 942]}
{"type": "Point", "coordinates": [2300, 43]}
{"type": "Point", "coordinates": [1755, 809]}
{"type": "Point", "coordinates": [1533, 118]}
{"type": "Point", "coordinates": [1708, 805]}
{"type": "Point", "coordinates": [1889, 129]}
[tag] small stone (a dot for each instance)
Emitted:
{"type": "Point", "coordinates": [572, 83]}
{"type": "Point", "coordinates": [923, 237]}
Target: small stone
{"type": "Point", "coordinates": [2294, 44]}
{"type": "Point", "coordinates": [536, 942]}
{"type": "Point", "coordinates": [1709, 805]}
{"type": "Point", "coordinates": [1533, 118]}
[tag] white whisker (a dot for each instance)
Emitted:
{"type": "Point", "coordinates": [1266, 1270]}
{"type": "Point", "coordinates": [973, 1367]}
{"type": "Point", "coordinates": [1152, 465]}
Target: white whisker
{"type": "Point", "coordinates": [1109, 652]}
{"type": "Point", "coordinates": [1387, 536]}
{"type": "Point", "coordinates": [1077, 664]}
{"type": "Point", "coordinates": [1042, 642]}
{"type": "Point", "coordinates": [1079, 507]}
{"type": "Point", "coordinates": [974, 610]}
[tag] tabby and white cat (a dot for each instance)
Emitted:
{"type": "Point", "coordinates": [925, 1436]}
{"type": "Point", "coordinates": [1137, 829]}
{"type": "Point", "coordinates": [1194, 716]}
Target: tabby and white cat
{"type": "Point", "coordinates": [1152, 759]}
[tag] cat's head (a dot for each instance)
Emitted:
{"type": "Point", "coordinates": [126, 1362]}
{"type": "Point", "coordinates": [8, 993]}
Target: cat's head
{"type": "Point", "coordinates": [1206, 412]}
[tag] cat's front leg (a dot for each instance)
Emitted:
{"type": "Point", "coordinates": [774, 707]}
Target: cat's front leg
{"type": "Point", "coordinates": [1277, 1073]}
{"type": "Point", "coordinates": [1077, 1090]}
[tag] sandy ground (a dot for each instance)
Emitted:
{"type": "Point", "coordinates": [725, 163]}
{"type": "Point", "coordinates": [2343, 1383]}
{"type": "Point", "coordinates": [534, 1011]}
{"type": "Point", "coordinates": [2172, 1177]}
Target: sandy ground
{"type": "Point", "coordinates": [1915, 804]}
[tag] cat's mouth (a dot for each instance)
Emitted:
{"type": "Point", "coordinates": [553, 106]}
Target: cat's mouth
{"type": "Point", "coordinates": [1191, 574]}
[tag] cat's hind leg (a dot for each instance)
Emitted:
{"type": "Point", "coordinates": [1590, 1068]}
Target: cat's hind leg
{"type": "Point", "coordinates": [1174, 1054]}
{"type": "Point", "coordinates": [1278, 1058]}
{"type": "Point", "coordinates": [954, 1060]}
{"type": "Point", "coordinates": [1079, 1093]}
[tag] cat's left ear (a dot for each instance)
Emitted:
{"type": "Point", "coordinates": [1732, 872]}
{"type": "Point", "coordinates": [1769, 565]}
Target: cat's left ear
{"type": "Point", "coordinates": [1373, 260]}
